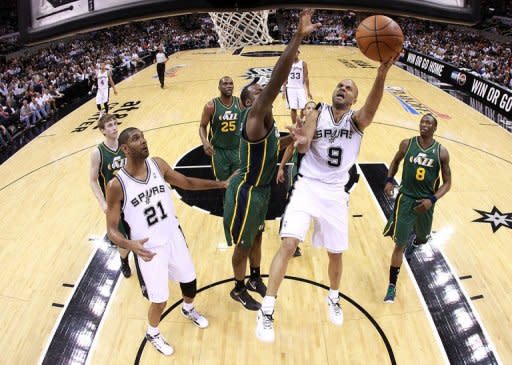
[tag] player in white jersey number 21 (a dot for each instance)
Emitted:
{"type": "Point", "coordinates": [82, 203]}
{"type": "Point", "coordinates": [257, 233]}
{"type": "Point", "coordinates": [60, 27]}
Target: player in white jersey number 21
{"type": "Point", "coordinates": [140, 192]}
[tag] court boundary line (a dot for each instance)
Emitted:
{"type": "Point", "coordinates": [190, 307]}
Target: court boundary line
{"type": "Point", "coordinates": [489, 344]}
{"type": "Point", "coordinates": [411, 275]}
{"type": "Point", "coordinates": [372, 320]}
{"type": "Point", "coordinates": [63, 310]}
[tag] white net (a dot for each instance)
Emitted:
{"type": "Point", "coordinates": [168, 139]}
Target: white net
{"type": "Point", "coordinates": [237, 30]}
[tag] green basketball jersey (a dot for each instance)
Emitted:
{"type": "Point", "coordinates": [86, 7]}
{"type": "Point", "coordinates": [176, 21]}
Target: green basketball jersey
{"type": "Point", "coordinates": [111, 162]}
{"type": "Point", "coordinates": [258, 160]}
{"type": "Point", "coordinates": [225, 124]}
{"type": "Point", "coordinates": [420, 176]}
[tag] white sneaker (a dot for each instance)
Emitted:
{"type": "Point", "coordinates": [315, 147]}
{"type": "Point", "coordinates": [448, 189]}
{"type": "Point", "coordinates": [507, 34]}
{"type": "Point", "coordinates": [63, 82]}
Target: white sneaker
{"type": "Point", "coordinates": [158, 341]}
{"type": "Point", "coordinates": [335, 311]}
{"type": "Point", "coordinates": [265, 327]}
{"type": "Point", "coordinates": [102, 113]}
{"type": "Point", "coordinates": [196, 317]}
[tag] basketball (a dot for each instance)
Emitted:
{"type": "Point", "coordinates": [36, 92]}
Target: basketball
{"type": "Point", "coordinates": [379, 38]}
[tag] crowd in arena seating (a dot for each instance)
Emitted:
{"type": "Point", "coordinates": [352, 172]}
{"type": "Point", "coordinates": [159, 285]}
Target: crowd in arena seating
{"type": "Point", "coordinates": [35, 86]}
{"type": "Point", "coordinates": [467, 49]}
{"type": "Point", "coordinates": [462, 47]}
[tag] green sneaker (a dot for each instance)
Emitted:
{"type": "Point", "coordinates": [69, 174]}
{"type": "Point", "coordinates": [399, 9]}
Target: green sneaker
{"type": "Point", "coordinates": [390, 294]}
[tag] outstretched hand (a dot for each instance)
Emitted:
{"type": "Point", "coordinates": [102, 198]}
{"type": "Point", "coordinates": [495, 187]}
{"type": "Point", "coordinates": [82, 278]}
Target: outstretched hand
{"type": "Point", "coordinates": [386, 65]}
{"type": "Point", "coordinates": [305, 25]}
{"type": "Point", "coordinates": [298, 134]}
{"type": "Point", "coordinates": [226, 182]}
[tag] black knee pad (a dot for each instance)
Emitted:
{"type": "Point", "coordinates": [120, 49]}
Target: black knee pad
{"type": "Point", "coordinates": [189, 289]}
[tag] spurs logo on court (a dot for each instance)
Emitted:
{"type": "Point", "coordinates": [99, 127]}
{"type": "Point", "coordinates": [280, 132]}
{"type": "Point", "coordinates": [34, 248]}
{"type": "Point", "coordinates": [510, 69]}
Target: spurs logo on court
{"type": "Point", "coordinates": [120, 113]}
{"type": "Point", "coordinates": [495, 218]}
{"type": "Point", "coordinates": [411, 104]}
{"type": "Point", "coordinates": [422, 160]}
{"type": "Point", "coordinates": [262, 72]}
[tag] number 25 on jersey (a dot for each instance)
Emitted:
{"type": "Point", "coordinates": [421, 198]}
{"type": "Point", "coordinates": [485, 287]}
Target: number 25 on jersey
{"type": "Point", "coordinates": [228, 126]}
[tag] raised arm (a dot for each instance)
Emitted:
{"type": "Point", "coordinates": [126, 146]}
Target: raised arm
{"type": "Point", "coordinates": [208, 111]}
{"type": "Point", "coordinates": [184, 182]}
{"type": "Point", "coordinates": [364, 116]}
{"type": "Point", "coordinates": [93, 179]}
{"type": "Point", "coordinates": [285, 62]}
{"type": "Point", "coordinates": [262, 107]}
{"type": "Point", "coordinates": [393, 167]}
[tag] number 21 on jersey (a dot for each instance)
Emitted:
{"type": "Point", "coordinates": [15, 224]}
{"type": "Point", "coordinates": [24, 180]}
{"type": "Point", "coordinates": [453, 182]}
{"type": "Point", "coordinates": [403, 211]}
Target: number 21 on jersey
{"type": "Point", "coordinates": [151, 214]}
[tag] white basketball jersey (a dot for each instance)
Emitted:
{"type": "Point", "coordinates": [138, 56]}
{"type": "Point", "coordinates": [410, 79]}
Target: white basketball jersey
{"type": "Point", "coordinates": [296, 76]}
{"type": "Point", "coordinates": [147, 206]}
{"type": "Point", "coordinates": [334, 148]}
{"type": "Point", "coordinates": [102, 79]}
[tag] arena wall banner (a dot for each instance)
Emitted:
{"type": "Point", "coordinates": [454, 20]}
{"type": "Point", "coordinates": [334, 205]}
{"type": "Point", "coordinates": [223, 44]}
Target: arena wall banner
{"type": "Point", "coordinates": [495, 95]}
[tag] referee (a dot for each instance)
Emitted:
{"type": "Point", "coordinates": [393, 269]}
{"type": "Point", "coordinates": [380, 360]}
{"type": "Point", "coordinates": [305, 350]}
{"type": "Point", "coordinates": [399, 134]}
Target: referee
{"type": "Point", "coordinates": [161, 59]}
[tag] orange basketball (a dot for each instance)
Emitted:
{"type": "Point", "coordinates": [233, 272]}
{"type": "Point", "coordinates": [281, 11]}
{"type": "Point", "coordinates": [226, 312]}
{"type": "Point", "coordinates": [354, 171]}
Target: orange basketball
{"type": "Point", "coordinates": [379, 38]}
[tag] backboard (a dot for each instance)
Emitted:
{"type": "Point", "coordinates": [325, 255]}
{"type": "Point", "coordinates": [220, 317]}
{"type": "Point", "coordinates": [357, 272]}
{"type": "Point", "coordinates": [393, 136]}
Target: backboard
{"type": "Point", "coordinates": [41, 20]}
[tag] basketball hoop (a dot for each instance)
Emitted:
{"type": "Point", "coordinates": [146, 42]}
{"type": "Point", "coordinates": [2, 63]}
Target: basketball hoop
{"type": "Point", "coordinates": [237, 30]}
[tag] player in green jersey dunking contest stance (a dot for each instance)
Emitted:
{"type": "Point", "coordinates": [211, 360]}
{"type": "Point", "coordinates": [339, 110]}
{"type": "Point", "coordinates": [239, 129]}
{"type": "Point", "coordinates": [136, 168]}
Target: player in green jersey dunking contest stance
{"type": "Point", "coordinates": [423, 158]}
{"type": "Point", "coordinates": [248, 193]}
{"type": "Point", "coordinates": [223, 115]}
{"type": "Point", "coordinates": [106, 160]}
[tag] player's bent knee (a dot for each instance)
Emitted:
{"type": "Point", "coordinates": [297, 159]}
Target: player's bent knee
{"type": "Point", "coordinates": [289, 244]}
{"type": "Point", "coordinates": [189, 289]}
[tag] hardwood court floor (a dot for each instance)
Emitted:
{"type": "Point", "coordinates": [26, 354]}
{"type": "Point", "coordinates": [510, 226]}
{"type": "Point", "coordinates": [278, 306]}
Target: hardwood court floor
{"type": "Point", "coordinates": [49, 213]}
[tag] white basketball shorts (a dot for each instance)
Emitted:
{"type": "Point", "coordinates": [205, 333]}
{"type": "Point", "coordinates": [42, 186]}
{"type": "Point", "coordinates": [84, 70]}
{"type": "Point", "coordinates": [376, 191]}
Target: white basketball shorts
{"type": "Point", "coordinates": [102, 96]}
{"type": "Point", "coordinates": [326, 205]}
{"type": "Point", "coordinates": [296, 98]}
{"type": "Point", "coordinates": [172, 261]}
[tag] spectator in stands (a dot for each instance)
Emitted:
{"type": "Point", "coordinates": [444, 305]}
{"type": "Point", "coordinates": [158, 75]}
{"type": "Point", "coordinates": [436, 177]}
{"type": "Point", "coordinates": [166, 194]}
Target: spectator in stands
{"type": "Point", "coordinates": [5, 136]}
{"type": "Point", "coordinates": [26, 115]}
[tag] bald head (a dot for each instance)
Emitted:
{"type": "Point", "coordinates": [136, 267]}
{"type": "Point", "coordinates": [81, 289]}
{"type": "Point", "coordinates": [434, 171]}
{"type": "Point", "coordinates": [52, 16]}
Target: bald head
{"type": "Point", "coordinates": [226, 86]}
{"type": "Point", "coordinates": [345, 94]}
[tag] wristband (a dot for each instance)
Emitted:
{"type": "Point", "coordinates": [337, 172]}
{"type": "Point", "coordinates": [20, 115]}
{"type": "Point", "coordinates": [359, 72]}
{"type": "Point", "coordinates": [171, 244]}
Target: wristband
{"type": "Point", "coordinates": [432, 198]}
{"type": "Point", "coordinates": [389, 179]}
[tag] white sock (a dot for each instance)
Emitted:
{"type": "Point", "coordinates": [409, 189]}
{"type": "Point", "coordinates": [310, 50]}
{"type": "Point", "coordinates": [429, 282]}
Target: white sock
{"type": "Point", "coordinates": [152, 331]}
{"type": "Point", "coordinates": [334, 295]}
{"type": "Point", "coordinates": [188, 306]}
{"type": "Point", "coordinates": [267, 304]}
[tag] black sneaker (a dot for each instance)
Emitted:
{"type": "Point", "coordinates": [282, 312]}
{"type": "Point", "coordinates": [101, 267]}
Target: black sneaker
{"type": "Point", "coordinates": [257, 286]}
{"type": "Point", "coordinates": [297, 252]}
{"type": "Point", "coordinates": [125, 268]}
{"type": "Point", "coordinates": [245, 298]}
